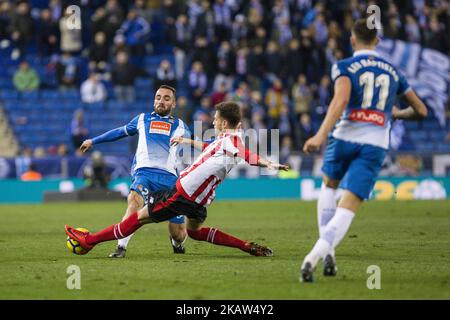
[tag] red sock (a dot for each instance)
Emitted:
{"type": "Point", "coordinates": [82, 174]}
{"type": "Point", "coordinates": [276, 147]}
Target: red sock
{"type": "Point", "coordinates": [218, 237]}
{"type": "Point", "coordinates": [116, 231]}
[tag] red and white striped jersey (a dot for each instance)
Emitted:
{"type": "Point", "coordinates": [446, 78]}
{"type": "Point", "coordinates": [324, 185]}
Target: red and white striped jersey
{"type": "Point", "coordinates": [199, 181]}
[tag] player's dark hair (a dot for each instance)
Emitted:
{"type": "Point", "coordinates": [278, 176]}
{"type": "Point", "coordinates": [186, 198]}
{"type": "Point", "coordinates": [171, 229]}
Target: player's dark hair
{"type": "Point", "coordinates": [363, 33]}
{"type": "Point", "coordinates": [229, 111]}
{"type": "Point", "coordinates": [165, 86]}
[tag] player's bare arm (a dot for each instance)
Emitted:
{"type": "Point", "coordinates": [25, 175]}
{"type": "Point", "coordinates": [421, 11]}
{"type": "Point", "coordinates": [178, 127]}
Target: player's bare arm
{"type": "Point", "coordinates": [342, 91]}
{"type": "Point", "coordinates": [181, 140]}
{"type": "Point", "coordinates": [86, 145]}
{"type": "Point", "coordinates": [416, 111]}
{"type": "Point", "coordinates": [264, 163]}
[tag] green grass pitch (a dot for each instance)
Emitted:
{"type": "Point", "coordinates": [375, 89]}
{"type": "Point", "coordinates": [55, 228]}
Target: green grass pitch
{"type": "Point", "coordinates": [408, 240]}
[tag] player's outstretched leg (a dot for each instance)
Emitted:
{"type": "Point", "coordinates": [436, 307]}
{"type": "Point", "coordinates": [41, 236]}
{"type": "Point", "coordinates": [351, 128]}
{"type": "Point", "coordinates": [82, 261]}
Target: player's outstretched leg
{"type": "Point", "coordinates": [215, 236]}
{"type": "Point", "coordinates": [178, 234]}
{"type": "Point", "coordinates": [135, 203]}
{"type": "Point", "coordinates": [114, 232]}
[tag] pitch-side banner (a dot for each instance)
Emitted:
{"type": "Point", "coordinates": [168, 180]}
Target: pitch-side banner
{"type": "Point", "coordinates": [307, 189]}
{"type": "Point", "coordinates": [427, 71]}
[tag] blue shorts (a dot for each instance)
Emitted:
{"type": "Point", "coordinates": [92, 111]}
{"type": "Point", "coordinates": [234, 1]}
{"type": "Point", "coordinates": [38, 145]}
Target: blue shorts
{"type": "Point", "coordinates": [355, 165]}
{"type": "Point", "coordinates": [146, 180]}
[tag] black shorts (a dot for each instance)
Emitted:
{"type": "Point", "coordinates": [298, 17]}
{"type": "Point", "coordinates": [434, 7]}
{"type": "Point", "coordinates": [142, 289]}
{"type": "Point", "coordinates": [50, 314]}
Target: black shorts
{"type": "Point", "coordinates": [166, 204]}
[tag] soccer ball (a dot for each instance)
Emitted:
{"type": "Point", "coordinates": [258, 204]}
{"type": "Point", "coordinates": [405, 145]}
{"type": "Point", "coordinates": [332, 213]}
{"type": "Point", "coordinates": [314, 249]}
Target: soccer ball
{"type": "Point", "coordinates": [74, 246]}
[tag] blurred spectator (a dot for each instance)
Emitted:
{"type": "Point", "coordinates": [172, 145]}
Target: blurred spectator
{"type": "Point", "coordinates": [204, 113]}
{"type": "Point", "coordinates": [239, 30]}
{"type": "Point", "coordinates": [93, 90]}
{"type": "Point", "coordinates": [225, 65]}
{"type": "Point", "coordinates": [62, 150]}
{"type": "Point", "coordinates": [78, 130]}
{"type": "Point", "coordinates": [107, 19]}
{"type": "Point", "coordinates": [144, 11]}
{"type": "Point", "coordinates": [204, 53]}
{"type": "Point", "coordinates": [222, 19]}
{"type": "Point", "coordinates": [204, 26]}
{"type": "Point", "coordinates": [436, 36]}
{"type": "Point", "coordinates": [412, 29]}
{"type": "Point", "coordinates": [48, 34]}
{"type": "Point", "coordinates": [31, 174]}
{"type": "Point", "coordinates": [99, 49]}
{"type": "Point", "coordinates": [256, 66]}
{"type": "Point", "coordinates": [324, 91]}
{"type": "Point", "coordinates": [39, 152]}
{"type": "Point", "coordinates": [181, 36]}
{"type": "Point", "coordinates": [26, 79]}
{"type": "Point", "coordinates": [198, 82]}
{"type": "Point", "coordinates": [241, 64]}
{"type": "Point", "coordinates": [242, 93]}
{"type": "Point", "coordinates": [21, 29]}
{"type": "Point", "coordinates": [304, 131]}
{"type": "Point", "coordinates": [71, 40]}
{"type": "Point", "coordinates": [119, 45]}
{"type": "Point", "coordinates": [96, 174]}
{"type": "Point", "coordinates": [301, 95]}
{"type": "Point", "coordinates": [135, 29]}
{"type": "Point", "coordinates": [164, 75]}
{"type": "Point", "coordinates": [67, 71]}
{"type": "Point", "coordinates": [283, 32]}
{"type": "Point", "coordinates": [293, 65]}
{"type": "Point", "coordinates": [408, 165]}
{"type": "Point", "coordinates": [183, 110]}
{"type": "Point", "coordinates": [276, 99]}
{"type": "Point", "coordinates": [124, 75]}
{"type": "Point", "coordinates": [219, 95]}
{"type": "Point", "coordinates": [284, 124]}
{"type": "Point", "coordinates": [56, 8]}
{"type": "Point", "coordinates": [273, 60]}
{"type": "Point", "coordinates": [286, 149]}
{"type": "Point", "coordinates": [5, 20]}
{"type": "Point", "coordinates": [170, 11]}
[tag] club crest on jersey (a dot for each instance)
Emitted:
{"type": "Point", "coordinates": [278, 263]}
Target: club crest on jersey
{"type": "Point", "coordinates": [160, 127]}
{"type": "Point", "coordinates": [371, 116]}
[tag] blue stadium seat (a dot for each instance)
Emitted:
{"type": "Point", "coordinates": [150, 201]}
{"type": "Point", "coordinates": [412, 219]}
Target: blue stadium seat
{"type": "Point", "coordinates": [30, 95]}
{"type": "Point", "coordinates": [49, 95]}
{"type": "Point", "coordinates": [6, 83]}
{"type": "Point", "coordinates": [418, 135]}
{"type": "Point", "coordinates": [70, 94]}
{"type": "Point", "coordinates": [411, 125]}
{"type": "Point", "coordinates": [9, 94]}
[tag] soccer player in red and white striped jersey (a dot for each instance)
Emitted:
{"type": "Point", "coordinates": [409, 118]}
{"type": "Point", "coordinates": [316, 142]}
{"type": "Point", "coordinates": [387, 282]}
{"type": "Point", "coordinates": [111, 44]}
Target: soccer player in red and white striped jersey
{"type": "Point", "coordinates": [194, 190]}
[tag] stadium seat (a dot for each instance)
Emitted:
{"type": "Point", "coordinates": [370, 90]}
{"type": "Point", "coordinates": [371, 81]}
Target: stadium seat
{"type": "Point", "coordinates": [9, 94]}
{"type": "Point", "coordinates": [49, 94]}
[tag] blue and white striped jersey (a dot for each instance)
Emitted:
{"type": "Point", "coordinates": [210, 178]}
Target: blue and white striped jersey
{"type": "Point", "coordinates": [155, 133]}
{"type": "Point", "coordinates": [375, 87]}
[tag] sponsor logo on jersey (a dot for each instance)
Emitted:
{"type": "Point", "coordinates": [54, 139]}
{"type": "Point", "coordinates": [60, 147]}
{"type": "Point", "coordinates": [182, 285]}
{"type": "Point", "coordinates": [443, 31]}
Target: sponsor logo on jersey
{"type": "Point", "coordinates": [364, 115]}
{"type": "Point", "coordinates": [160, 127]}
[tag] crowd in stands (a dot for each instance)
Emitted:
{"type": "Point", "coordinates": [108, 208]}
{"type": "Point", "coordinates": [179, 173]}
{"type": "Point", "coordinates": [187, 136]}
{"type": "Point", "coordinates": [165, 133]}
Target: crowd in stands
{"type": "Point", "coordinates": [274, 56]}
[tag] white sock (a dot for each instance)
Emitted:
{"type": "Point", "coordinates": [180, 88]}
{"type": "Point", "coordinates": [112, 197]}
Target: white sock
{"type": "Point", "coordinates": [124, 241]}
{"type": "Point", "coordinates": [332, 235]}
{"type": "Point", "coordinates": [326, 207]}
{"type": "Point", "coordinates": [318, 251]}
{"type": "Point", "coordinates": [338, 226]}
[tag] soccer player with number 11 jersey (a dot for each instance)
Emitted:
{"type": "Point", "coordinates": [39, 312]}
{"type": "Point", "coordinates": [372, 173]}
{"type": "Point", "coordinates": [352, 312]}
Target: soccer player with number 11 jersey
{"type": "Point", "coordinates": [365, 90]}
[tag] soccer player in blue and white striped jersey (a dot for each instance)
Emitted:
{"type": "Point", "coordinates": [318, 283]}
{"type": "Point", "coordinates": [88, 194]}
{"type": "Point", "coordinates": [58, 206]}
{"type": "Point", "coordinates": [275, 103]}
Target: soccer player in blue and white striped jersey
{"type": "Point", "coordinates": [155, 164]}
